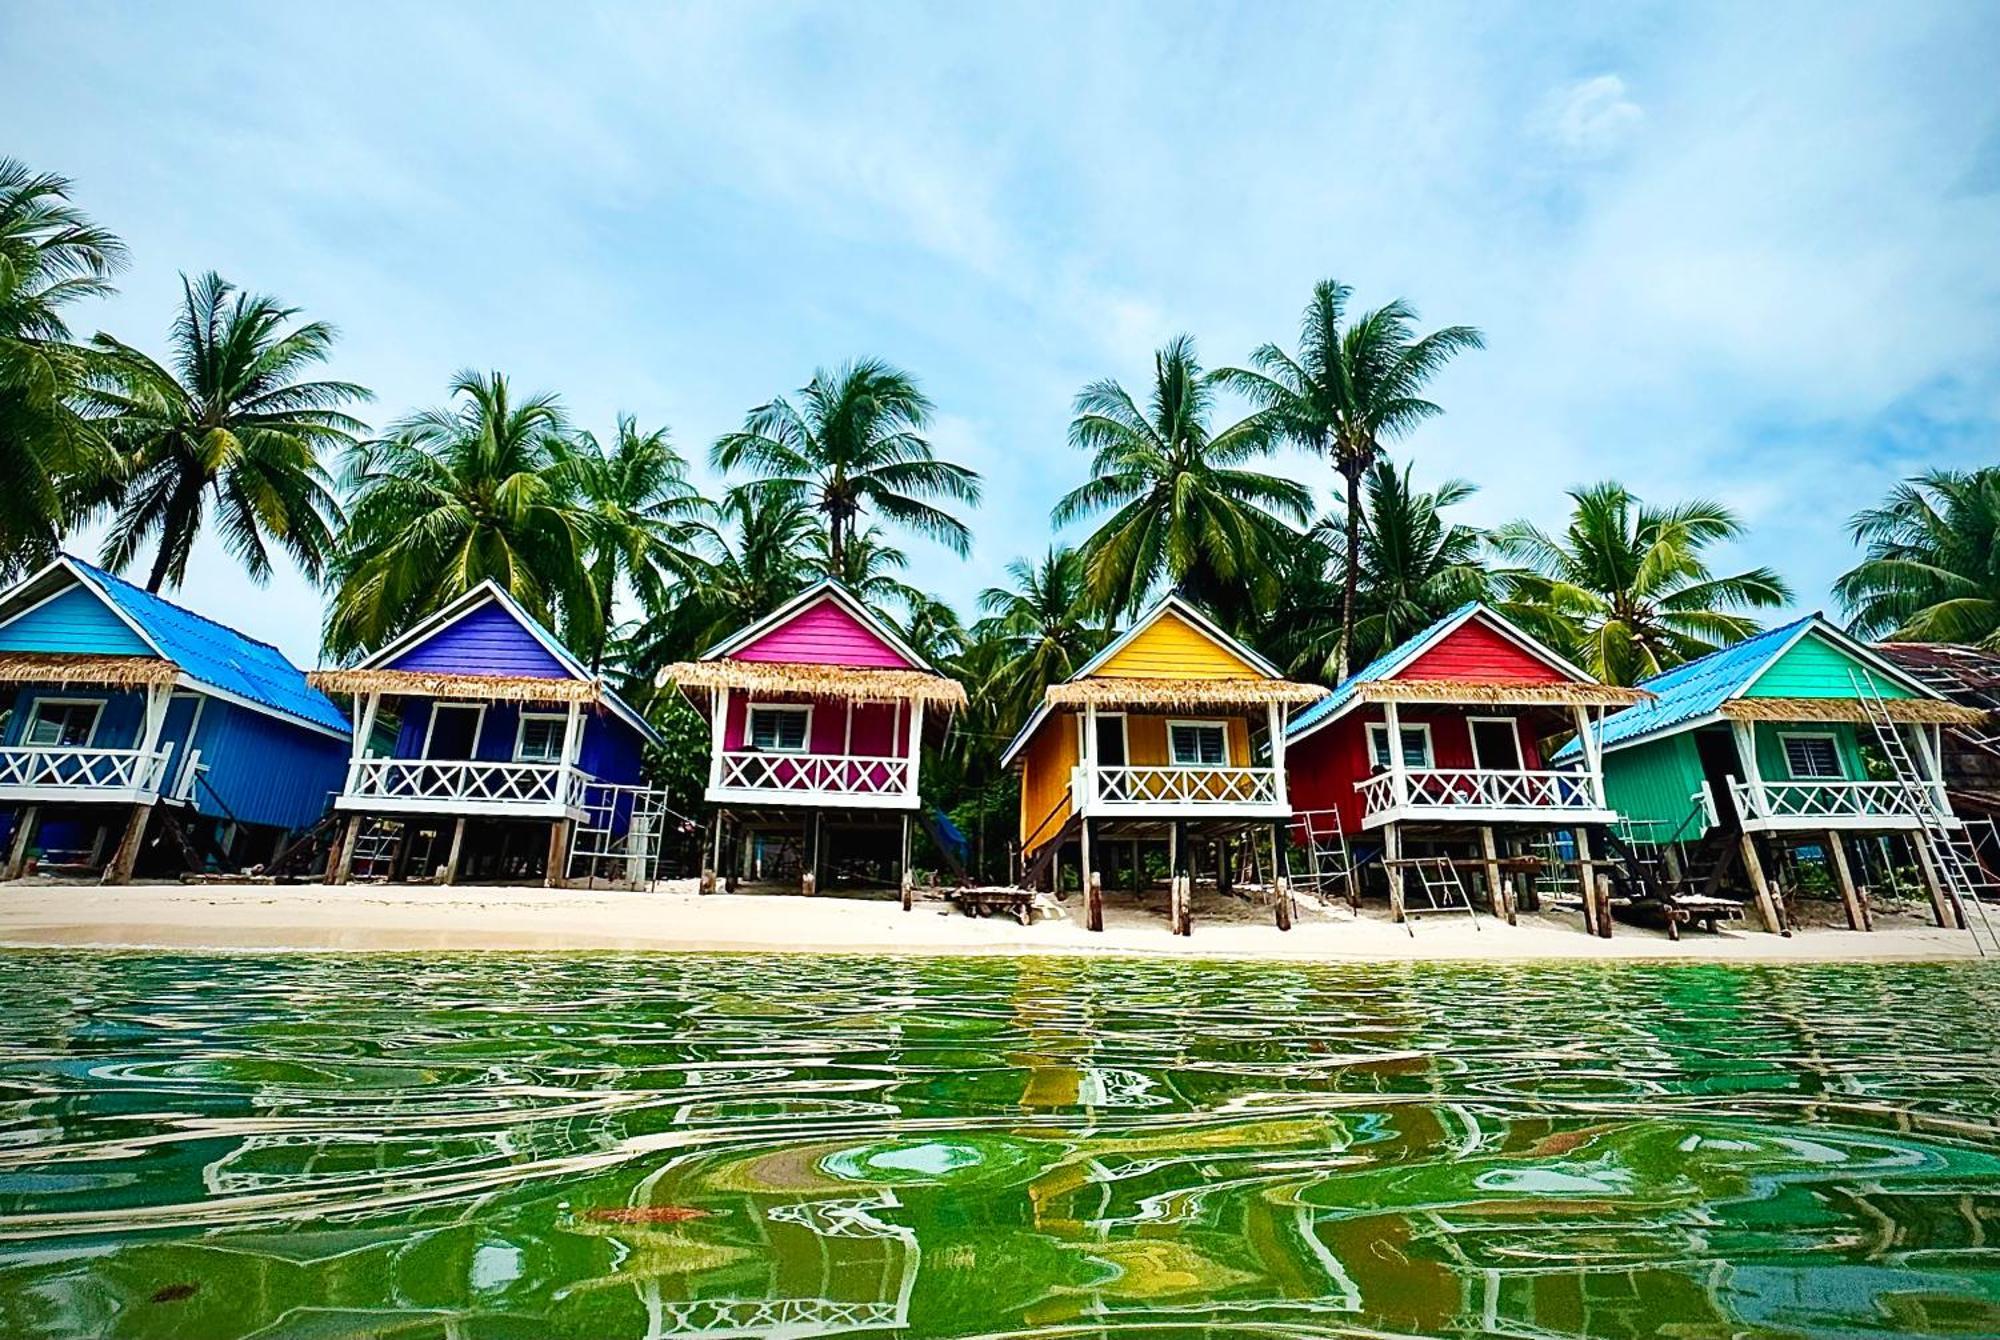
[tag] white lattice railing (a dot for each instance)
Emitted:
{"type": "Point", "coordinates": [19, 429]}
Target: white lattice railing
{"type": "Point", "coordinates": [83, 770]}
{"type": "Point", "coordinates": [1825, 800]}
{"type": "Point", "coordinates": [1178, 786]}
{"type": "Point", "coordinates": [1480, 789]}
{"type": "Point", "coordinates": [445, 780]}
{"type": "Point", "coordinates": [821, 774]}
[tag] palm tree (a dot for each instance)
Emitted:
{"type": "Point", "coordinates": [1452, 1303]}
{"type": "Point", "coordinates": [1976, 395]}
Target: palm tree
{"type": "Point", "coordinates": [452, 496]}
{"type": "Point", "coordinates": [1041, 626]}
{"type": "Point", "coordinates": [1181, 507]}
{"type": "Point", "coordinates": [1932, 571]}
{"type": "Point", "coordinates": [1625, 590]}
{"type": "Point", "coordinates": [855, 442]}
{"type": "Point", "coordinates": [51, 255]}
{"type": "Point", "coordinates": [643, 512]}
{"type": "Point", "coordinates": [231, 417]}
{"type": "Point", "coordinates": [1349, 392]}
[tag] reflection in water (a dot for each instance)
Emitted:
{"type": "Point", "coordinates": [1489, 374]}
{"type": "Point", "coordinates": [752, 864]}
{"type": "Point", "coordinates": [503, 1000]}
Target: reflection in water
{"type": "Point", "coordinates": [649, 1146]}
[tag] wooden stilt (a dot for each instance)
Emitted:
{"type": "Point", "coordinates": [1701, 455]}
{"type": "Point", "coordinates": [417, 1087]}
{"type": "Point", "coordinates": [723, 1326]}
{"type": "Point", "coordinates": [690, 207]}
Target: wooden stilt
{"type": "Point", "coordinates": [24, 836]}
{"type": "Point", "coordinates": [1604, 907]}
{"type": "Point", "coordinates": [1490, 850]}
{"type": "Point", "coordinates": [1283, 888]}
{"type": "Point", "coordinates": [1507, 903]}
{"type": "Point", "coordinates": [555, 874]}
{"type": "Point", "coordinates": [1843, 878]}
{"type": "Point", "coordinates": [457, 853]}
{"type": "Point", "coordinates": [732, 852]}
{"type": "Point", "coordinates": [1138, 869]}
{"type": "Point", "coordinates": [119, 869]}
{"type": "Point", "coordinates": [1767, 902]}
{"type": "Point", "coordinates": [1940, 902]}
{"type": "Point", "coordinates": [1093, 881]}
{"type": "Point", "coordinates": [1225, 867]}
{"type": "Point", "coordinates": [713, 854]}
{"type": "Point", "coordinates": [341, 868]}
{"type": "Point", "coordinates": [1392, 851]}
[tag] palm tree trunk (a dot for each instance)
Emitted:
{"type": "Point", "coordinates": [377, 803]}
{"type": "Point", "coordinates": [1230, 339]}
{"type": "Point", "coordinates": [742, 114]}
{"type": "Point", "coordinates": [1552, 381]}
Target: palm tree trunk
{"type": "Point", "coordinates": [836, 545]}
{"type": "Point", "coordinates": [1351, 580]}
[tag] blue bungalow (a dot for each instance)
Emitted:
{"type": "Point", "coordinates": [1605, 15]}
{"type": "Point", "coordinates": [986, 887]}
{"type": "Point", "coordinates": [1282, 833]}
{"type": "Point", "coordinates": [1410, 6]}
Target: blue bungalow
{"type": "Point", "coordinates": [122, 715]}
{"type": "Point", "coordinates": [482, 747]}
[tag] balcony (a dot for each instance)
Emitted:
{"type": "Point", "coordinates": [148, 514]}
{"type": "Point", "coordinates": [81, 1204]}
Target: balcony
{"type": "Point", "coordinates": [1172, 790]}
{"type": "Point", "coordinates": [1776, 806]}
{"type": "Point", "coordinates": [54, 773]}
{"type": "Point", "coordinates": [1482, 795]}
{"type": "Point", "coordinates": [752, 777]}
{"type": "Point", "coordinates": [445, 786]}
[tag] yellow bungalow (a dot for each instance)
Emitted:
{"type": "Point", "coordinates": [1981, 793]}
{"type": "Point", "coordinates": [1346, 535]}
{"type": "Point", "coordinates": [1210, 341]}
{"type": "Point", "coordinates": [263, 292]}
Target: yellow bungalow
{"type": "Point", "coordinates": [1174, 733]}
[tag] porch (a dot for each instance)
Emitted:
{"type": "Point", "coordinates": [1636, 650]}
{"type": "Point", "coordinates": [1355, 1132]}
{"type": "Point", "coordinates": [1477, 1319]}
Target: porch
{"type": "Point", "coordinates": [1814, 776]}
{"type": "Point", "coordinates": [97, 739]}
{"type": "Point", "coordinates": [1483, 796]}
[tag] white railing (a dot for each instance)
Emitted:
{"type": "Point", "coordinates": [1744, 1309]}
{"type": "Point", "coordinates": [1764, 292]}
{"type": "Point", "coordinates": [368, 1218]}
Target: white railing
{"type": "Point", "coordinates": [497, 784]}
{"type": "Point", "coordinates": [1826, 800]}
{"type": "Point", "coordinates": [34, 767]}
{"type": "Point", "coordinates": [1219, 788]}
{"type": "Point", "coordinates": [1480, 789]}
{"type": "Point", "coordinates": [820, 774]}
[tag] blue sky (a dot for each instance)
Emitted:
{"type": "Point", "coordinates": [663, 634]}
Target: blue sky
{"type": "Point", "coordinates": [1747, 252]}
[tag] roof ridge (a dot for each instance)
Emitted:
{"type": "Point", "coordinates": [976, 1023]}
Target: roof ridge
{"type": "Point", "coordinates": [1687, 667]}
{"type": "Point", "coordinates": [175, 605]}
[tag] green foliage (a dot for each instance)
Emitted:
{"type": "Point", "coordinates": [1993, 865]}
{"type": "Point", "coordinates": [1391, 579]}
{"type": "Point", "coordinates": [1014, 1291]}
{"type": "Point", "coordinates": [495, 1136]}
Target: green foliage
{"type": "Point", "coordinates": [1626, 591]}
{"type": "Point", "coordinates": [230, 414]}
{"type": "Point", "coordinates": [53, 461]}
{"type": "Point", "coordinates": [1932, 566]}
{"type": "Point", "coordinates": [1183, 510]}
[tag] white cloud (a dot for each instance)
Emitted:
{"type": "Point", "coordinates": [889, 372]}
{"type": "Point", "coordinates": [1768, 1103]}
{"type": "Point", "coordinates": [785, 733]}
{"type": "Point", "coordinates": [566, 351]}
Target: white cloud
{"type": "Point", "coordinates": [1592, 117]}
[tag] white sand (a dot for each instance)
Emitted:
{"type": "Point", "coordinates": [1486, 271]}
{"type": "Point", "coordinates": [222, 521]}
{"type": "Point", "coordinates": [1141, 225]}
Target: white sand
{"type": "Point", "coordinates": [365, 917]}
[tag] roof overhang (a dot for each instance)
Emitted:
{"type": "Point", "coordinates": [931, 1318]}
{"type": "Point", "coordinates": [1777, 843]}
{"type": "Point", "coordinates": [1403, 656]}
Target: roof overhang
{"type": "Point", "coordinates": [833, 682]}
{"type": "Point", "coordinates": [1910, 711]}
{"type": "Point", "coordinates": [17, 667]}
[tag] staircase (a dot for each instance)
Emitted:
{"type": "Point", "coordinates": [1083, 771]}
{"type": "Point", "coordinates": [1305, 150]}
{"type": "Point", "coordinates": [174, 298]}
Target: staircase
{"type": "Point", "coordinates": [1940, 839]}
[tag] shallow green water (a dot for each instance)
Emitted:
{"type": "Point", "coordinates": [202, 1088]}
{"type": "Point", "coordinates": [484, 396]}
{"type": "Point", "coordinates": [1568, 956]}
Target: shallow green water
{"type": "Point", "coordinates": [624, 1146]}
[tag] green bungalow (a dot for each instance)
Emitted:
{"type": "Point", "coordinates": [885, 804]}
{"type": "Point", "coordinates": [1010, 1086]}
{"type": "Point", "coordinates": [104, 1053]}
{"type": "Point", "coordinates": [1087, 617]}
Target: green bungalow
{"type": "Point", "coordinates": [1769, 744]}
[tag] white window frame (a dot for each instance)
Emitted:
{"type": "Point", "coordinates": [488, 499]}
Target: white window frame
{"type": "Point", "coordinates": [1084, 745]}
{"type": "Point", "coordinates": [89, 740]}
{"type": "Point", "coordinates": [478, 727]}
{"type": "Point", "coordinates": [1833, 741]}
{"type": "Point", "coordinates": [1382, 727]}
{"type": "Point", "coordinates": [1198, 723]}
{"type": "Point", "coordinates": [1513, 725]}
{"type": "Point", "coordinates": [750, 711]}
{"type": "Point", "coordinates": [521, 735]}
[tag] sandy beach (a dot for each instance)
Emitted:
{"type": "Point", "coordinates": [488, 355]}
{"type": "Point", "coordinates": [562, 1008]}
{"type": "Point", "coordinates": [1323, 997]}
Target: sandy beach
{"type": "Point", "coordinates": [676, 918]}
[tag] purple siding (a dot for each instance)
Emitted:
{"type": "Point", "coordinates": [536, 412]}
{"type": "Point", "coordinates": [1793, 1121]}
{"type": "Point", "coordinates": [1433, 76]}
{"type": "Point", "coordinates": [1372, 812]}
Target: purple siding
{"type": "Point", "coordinates": [611, 749]}
{"type": "Point", "coordinates": [824, 634]}
{"type": "Point", "coordinates": [488, 641]}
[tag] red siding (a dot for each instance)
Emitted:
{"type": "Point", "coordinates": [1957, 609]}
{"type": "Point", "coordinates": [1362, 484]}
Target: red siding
{"type": "Point", "coordinates": [1476, 651]}
{"type": "Point", "coordinates": [823, 634]}
{"type": "Point", "coordinates": [1322, 769]}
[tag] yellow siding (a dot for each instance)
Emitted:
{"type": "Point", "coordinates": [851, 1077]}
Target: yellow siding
{"type": "Point", "coordinates": [1172, 648]}
{"type": "Point", "coordinates": [1146, 738]}
{"type": "Point", "coordinates": [1045, 769]}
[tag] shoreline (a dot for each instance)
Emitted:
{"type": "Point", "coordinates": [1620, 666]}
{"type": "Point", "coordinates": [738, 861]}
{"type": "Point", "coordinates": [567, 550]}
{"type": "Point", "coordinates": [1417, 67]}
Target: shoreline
{"type": "Point", "coordinates": [309, 918]}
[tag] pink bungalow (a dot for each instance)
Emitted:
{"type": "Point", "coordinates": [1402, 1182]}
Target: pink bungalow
{"type": "Point", "coordinates": [816, 727]}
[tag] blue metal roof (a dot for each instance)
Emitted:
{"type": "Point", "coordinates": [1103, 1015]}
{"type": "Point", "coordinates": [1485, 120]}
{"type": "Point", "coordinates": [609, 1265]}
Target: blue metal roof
{"type": "Point", "coordinates": [1695, 690]}
{"type": "Point", "coordinates": [1382, 667]}
{"type": "Point", "coordinates": [216, 655]}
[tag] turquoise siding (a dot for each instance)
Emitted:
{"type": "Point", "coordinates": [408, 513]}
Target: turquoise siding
{"type": "Point", "coordinates": [1815, 668]}
{"type": "Point", "coordinates": [1652, 782]}
{"type": "Point", "coordinates": [75, 621]}
{"type": "Point", "coordinates": [1771, 750]}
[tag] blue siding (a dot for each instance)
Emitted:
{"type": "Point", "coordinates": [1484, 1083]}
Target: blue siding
{"type": "Point", "coordinates": [117, 724]}
{"type": "Point", "coordinates": [488, 641]}
{"type": "Point", "coordinates": [612, 751]}
{"type": "Point", "coordinates": [75, 621]}
{"type": "Point", "coordinates": [259, 770]}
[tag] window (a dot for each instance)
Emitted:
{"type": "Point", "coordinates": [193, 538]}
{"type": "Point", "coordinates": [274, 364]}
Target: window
{"type": "Point", "coordinates": [1198, 744]}
{"type": "Point", "coordinates": [1111, 739]}
{"type": "Point", "coordinates": [1812, 758]}
{"type": "Point", "coordinates": [1496, 744]}
{"type": "Point", "coordinates": [453, 730]}
{"type": "Point", "coordinates": [540, 738]}
{"type": "Point", "coordinates": [1416, 746]}
{"type": "Point", "coordinates": [65, 723]}
{"type": "Point", "coordinates": [780, 730]}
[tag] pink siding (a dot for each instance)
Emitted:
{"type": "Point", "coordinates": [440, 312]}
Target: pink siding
{"type": "Point", "coordinates": [1477, 652]}
{"type": "Point", "coordinates": [875, 727]}
{"type": "Point", "coordinates": [823, 634]}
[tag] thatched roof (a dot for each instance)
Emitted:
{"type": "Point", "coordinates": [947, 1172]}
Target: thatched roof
{"type": "Point", "coordinates": [1117, 691]}
{"type": "Point", "coordinates": [498, 688]}
{"type": "Point", "coordinates": [1916, 711]}
{"type": "Point", "coordinates": [1483, 692]}
{"type": "Point", "coordinates": [56, 667]}
{"type": "Point", "coordinates": [835, 682]}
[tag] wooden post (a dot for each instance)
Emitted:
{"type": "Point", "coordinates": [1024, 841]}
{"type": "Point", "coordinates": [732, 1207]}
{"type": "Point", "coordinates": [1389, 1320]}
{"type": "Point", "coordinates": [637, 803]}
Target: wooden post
{"type": "Point", "coordinates": [1093, 904]}
{"type": "Point", "coordinates": [1490, 850]}
{"type": "Point", "coordinates": [909, 883]}
{"type": "Point", "coordinates": [1225, 860]}
{"type": "Point", "coordinates": [1392, 856]}
{"type": "Point", "coordinates": [1586, 880]}
{"type": "Point", "coordinates": [457, 850]}
{"type": "Point", "coordinates": [1767, 903]}
{"type": "Point", "coordinates": [342, 867]}
{"type": "Point", "coordinates": [24, 835]}
{"type": "Point", "coordinates": [555, 873]}
{"type": "Point", "coordinates": [1603, 884]}
{"type": "Point", "coordinates": [1940, 903]}
{"type": "Point", "coordinates": [1283, 888]}
{"type": "Point", "coordinates": [119, 870]}
{"type": "Point", "coordinates": [809, 876]}
{"type": "Point", "coordinates": [1507, 903]}
{"type": "Point", "coordinates": [732, 850]}
{"type": "Point", "coordinates": [1836, 856]}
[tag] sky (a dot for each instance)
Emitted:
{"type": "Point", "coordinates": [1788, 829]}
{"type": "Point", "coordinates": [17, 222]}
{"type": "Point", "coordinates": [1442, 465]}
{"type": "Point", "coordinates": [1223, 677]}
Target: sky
{"type": "Point", "coordinates": [1742, 252]}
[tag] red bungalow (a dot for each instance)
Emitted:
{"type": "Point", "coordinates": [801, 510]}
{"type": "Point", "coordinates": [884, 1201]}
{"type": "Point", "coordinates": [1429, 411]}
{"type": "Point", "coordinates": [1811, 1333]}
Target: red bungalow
{"type": "Point", "coordinates": [1469, 702]}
